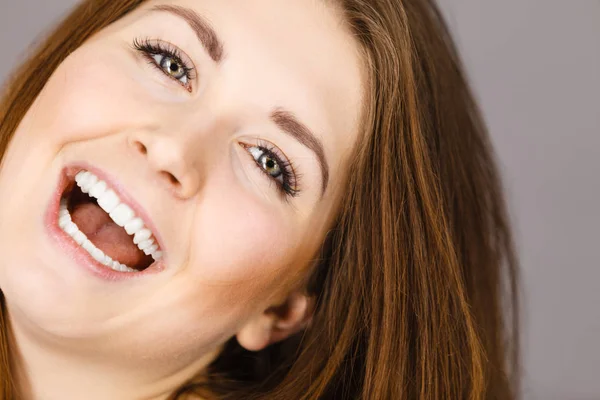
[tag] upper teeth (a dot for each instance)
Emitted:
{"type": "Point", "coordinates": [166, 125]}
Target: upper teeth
{"type": "Point", "coordinates": [119, 212]}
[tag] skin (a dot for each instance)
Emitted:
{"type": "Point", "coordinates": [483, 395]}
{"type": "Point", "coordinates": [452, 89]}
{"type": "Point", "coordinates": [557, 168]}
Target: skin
{"type": "Point", "coordinates": [236, 252]}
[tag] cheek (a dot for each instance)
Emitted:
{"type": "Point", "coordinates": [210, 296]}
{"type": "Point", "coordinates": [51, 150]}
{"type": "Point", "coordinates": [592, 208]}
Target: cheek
{"type": "Point", "coordinates": [89, 95]}
{"type": "Point", "coordinates": [242, 241]}
{"type": "Point", "coordinates": [241, 258]}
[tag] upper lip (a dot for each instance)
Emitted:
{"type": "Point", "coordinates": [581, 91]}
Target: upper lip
{"type": "Point", "coordinates": [123, 194]}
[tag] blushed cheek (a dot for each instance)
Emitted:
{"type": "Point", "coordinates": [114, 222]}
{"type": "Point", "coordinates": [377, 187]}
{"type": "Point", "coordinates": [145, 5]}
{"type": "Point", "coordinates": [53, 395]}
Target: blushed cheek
{"type": "Point", "coordinates": [240, 240]}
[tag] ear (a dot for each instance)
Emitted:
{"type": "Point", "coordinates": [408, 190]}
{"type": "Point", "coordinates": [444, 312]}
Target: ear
{"type": "Point", "coordinates": [277, 322]}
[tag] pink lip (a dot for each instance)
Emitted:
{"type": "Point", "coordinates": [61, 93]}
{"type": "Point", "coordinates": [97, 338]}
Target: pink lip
{"type": "Point", "coordinates": [75, 251]}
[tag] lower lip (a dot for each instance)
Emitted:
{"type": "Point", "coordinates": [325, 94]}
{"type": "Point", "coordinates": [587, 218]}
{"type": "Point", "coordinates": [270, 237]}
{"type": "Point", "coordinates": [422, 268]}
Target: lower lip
{"type": "Point", "coordinates": [72, 249]}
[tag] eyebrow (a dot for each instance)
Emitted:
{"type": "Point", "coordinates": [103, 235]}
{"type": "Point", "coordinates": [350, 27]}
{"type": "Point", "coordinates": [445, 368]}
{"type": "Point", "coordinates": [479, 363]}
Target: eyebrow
{"type": "Point", "coordinates": [205, 32]}
{"type": "Point", "coordinates": [285, 120]}
{"type": "Point", "coordinates": [293, 127]}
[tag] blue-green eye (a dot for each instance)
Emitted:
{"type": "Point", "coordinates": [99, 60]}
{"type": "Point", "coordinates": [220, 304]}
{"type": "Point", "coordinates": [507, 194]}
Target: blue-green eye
{"type": "Point", "coordinates": [275, 166]}
{"type": "Point", "coordinates": [168, 59]}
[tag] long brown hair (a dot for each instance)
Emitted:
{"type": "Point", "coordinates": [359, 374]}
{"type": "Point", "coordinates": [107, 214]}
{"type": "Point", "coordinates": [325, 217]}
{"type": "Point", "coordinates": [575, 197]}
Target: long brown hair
{"type": "Point", "coordinates": [417, 281]}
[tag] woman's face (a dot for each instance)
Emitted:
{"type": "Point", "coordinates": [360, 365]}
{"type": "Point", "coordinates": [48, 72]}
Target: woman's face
{"type": "Point", "coordinates": [230, 146]}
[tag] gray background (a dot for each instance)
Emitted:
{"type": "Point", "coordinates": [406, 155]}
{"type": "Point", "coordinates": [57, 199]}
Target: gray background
{"type": "Point", "coordinates": [535, 66]}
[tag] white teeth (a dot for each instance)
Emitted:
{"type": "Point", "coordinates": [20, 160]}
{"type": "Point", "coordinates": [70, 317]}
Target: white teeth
{"type": "Point", "coordinates": [145, 244]}
{"type": "Point", "coordinates": [98, 255]}
{"type": "Point", "coordinates": [116, 266]}
{"type": "Point", "coordinates": [119, 212]}
{"type": "Point", "coordinates": [82, 179]}
{"type": "Point", "coordinates": [122, 214]}
{"type": "Point", "coordinates": [98, 189]}
{"type": "Point", "coordinates": [120, 267]}
{"type": "Point", "coordinates": [71, 228]}
{"type": "Point", "coordinates": [88, 246]}
{"type": "Point", "coordinates": [141, 235]}
{"type": "Point", "coordinates": [107, 261]}
{"type": "Point", "coordinates": [150, 249]}
{"type": "Point", "coordinates": [79, 237]}
{"type": "Point", "coordinates": [109, 201]}
{"type": "Point", "coordinates": [87, 182]}
{"type": "Point", "coordinates": [133, 226]}
{"type": "Point", "coordinates": [79, 177]}
{"type": "Point", "coordinates": [64, 220]}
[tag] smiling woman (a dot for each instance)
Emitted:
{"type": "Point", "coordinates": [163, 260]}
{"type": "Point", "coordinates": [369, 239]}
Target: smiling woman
{"type": "Point", "coordinates": [251, 200]}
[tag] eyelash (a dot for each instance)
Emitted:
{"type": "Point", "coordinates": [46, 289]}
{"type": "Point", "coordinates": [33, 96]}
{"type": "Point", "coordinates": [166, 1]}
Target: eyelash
{"type": "Point", "coordinates": [151, 48]}
{"type": "Point", "coordinates": [288, 188]}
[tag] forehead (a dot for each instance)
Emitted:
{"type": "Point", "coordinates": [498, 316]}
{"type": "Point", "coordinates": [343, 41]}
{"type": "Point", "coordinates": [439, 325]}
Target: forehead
{"type": "Point", "coordinates": [295, 54]}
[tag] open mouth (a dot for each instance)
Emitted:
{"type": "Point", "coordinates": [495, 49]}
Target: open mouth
{"type": "Point", "coordinates": [103, 225]}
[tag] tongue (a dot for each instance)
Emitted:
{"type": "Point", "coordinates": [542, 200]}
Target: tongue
{"type": "Point", "coordinates": [95, 223]}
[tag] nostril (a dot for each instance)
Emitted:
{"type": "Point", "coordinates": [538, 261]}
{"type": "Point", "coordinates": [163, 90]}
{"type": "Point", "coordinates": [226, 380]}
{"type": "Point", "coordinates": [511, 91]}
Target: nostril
{"type": "Point", "coordinates": [171, 178]}
{"type": "Point", "coordinates": [141, 148]}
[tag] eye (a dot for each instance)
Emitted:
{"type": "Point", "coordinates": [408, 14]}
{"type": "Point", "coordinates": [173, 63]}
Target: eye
{"type": "Point", "coordinates": [268, 163]}
{"type": "Point", "coordinates": [172, 67]}
{"type": "Point", "coordinates": [275, 166]}
{"type": "Point", "coordinates": [168, 59]}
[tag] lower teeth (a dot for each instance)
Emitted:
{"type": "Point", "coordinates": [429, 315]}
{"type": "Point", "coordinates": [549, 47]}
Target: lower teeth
{"type": "Point", "coordinates": [67, 225]}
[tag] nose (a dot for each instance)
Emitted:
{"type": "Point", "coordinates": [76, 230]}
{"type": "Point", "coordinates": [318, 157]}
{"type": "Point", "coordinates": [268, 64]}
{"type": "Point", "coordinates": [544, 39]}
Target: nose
{"type": "Point", "coordinates": [167, 159]}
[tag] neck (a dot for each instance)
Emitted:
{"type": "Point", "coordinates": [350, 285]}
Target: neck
{"type": "Point", "coordinates": [46, 369]}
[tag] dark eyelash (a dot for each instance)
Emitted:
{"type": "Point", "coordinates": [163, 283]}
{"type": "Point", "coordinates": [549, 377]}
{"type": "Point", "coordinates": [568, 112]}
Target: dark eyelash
{"type": "Point", "coordinates": [149, 47]}
{"type": "Point", "coordinates": [290, 184]}
{"type": "Point", "coordinates": [291, 179]}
